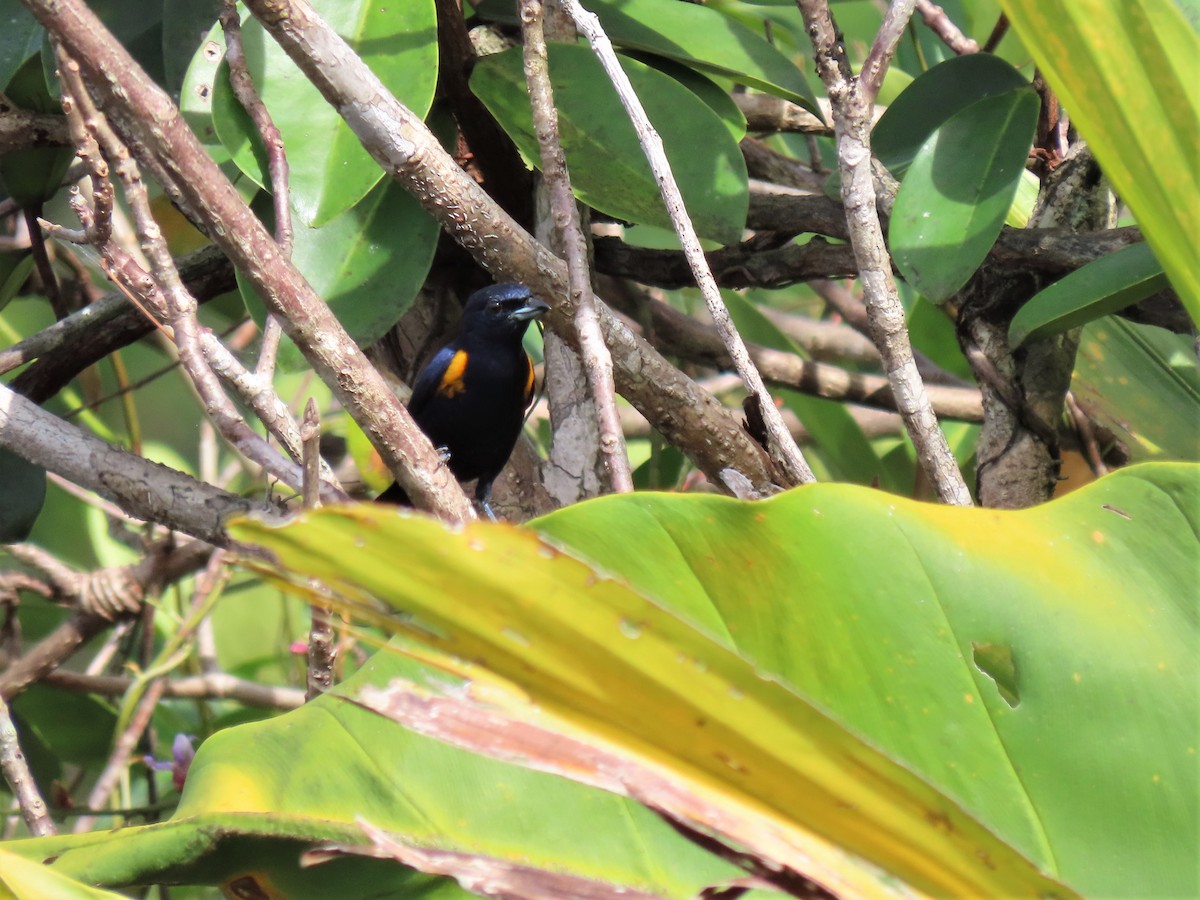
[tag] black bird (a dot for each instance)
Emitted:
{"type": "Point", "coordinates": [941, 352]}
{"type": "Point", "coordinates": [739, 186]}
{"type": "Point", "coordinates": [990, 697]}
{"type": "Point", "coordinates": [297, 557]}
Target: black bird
{"type": "Point", "coordinates": [471, 398]}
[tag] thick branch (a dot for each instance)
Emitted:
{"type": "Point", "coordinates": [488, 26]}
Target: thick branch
{"type": "Point", "coordinates": [142, 488]}
{"type": "Point", "coordinates": [153, 128]}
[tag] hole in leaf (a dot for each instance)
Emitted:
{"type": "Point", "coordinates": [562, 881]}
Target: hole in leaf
{"type": "Point", "coordinates": [997, 663]}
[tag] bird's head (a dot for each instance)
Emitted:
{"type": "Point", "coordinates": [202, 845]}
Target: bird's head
{"type": "Point", "coordinates": [502, 308]}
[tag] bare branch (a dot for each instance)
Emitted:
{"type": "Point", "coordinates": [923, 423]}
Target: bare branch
{"type": "Point", "coordinates": [783, 450]}
{"type": "Point", "coordinates": [597, 363]}
{"type": "Point", "coordinates": [20, 779]}
{"type": "Point", "coordinates": [153, 128]}
{"type": "Point", "coordinates": [941, 25]}
{"type": "Point", "coordinates": [875, 66]}
{"type": "Point", "coordinates": [143, 489]}
{"type": "Point", "coordinates": [211, 686]}
{"type": "Point", "coordinates": [851, 109]}
{"type": "Point", "coordinates": [684, 414]}
{"type": "Point", "coordinates": [23, 130]}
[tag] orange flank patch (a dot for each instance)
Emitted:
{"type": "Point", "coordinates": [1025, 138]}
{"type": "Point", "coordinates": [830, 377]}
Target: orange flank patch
{"type": "Point", "coordinates": [452, 379]}
{"type": "Point", "coordinates": [528, 380]}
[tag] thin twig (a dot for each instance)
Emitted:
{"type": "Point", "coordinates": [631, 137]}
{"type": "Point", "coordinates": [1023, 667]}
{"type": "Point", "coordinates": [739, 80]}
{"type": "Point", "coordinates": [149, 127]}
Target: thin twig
{"type": "Point", "coordinates": [875, 66]}
{"type": "Point", "coordinates": [851, 109]}
{"type": "Point", "coordinates": [41, 261]}
{"type": "Point", "coordinates": [20, 779]}
{"type": "Point", "coordinates": [123, 749]}
{"type": "Point", "coordinates": [999, 30]}
{"type": "Point", "coordinates": [277, 164]}
{"type": "Point", "coordinates": [322, 646]}
{"type": "Point", "coordinates": [597, 363]}
{"type": "Point", "coordinates": [941, 25]}
{"type": "Point", "coordinates": [210, 686]}
{"type": "Point", "coordinates": [399, 140]}
{"type": "Point", "coordinates": [783, 449]}
{"type": "Point", "coordinates": [151, 126]}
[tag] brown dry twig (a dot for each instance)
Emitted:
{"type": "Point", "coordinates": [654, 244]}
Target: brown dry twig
{"type": "Point", "coordinates": [101, 596]}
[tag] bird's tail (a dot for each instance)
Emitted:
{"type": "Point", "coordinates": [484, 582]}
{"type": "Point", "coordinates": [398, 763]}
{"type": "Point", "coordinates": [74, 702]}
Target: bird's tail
{"type": "Point", "coordinates": [395, 495]}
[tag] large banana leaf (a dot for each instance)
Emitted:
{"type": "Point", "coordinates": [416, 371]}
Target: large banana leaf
{"type": "Point", "coordinates": [1000, 665]}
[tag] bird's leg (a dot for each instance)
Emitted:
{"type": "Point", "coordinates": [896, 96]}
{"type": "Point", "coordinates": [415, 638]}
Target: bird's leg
{"type": "Point", "coordinates": [483, 493]}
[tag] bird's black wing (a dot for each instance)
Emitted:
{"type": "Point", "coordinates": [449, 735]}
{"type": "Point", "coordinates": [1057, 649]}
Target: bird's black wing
{"type": "Point", "coordinates": [433, 378]}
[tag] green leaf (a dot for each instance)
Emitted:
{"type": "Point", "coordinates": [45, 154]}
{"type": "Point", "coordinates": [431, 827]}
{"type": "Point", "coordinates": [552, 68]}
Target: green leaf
{"type": "Point", "coordinates": [23, 487]}
{"type": "Point", "coordinates": [33, 176]}
{"type": "Point", "coordinates": [1091, 600]}
{"type": "Point", "coordinates": [274, 779]}
{"type": "Point", "coordinates": [20, 38]}
{"type": "Point", "coordinates": [695, 36]}
{"type": "Point", "coordinates": [330, 170]}
{"type": "Point", "coordinates": [185, 26]}
{"type": "Point", "coordinates": [1127, 74]}
{"type": "Point", "coordinates": [22, 879]}
{"type": "Point", "coordinates": [1143, 384]}
{"type": "Point", "coordinates": [953, 200]}
{"type": "Point", "coordinates": [1101, 287]}
{"type": "Point", "coordinates": [589, 651]}
{"type": "Point", "coordinates": [933, 98]}
{"type": "Point", "coordinates": [999, 655]}
{"type": "Point", "coordinates": [608, 167]}
{"type": "Point", "coordinates": [199, 88]}
{"type": "Point", "coordinates": [368, 264]}
{"type": "Point", "coordinates": [714, 96]}
{"type": "Point", "coordinates": [258, 855]}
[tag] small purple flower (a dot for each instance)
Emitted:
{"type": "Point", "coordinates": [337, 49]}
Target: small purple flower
{"type": "Point", "coordinates": [182, 754]}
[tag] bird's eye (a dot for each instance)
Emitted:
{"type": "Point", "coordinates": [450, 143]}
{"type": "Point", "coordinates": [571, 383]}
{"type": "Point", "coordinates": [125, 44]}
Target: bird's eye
{"type": "Point", "coordinates": [495, 306]}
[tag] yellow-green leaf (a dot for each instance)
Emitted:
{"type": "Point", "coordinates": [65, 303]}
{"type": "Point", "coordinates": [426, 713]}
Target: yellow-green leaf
{"type": "Point", "coordinates": [1127, 75]}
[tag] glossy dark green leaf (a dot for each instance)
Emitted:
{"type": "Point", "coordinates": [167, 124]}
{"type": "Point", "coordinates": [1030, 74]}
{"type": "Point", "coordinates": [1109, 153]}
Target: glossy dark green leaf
{"type": "Point", "coordinates": [716, 97]}
{"type": "Point", "coordinates": [1105, 286]}
{"type": "Point", "coordinates": [14, 271]}
{"type": "Point", "coordinates": [608, 167]}
{"type": "Point", "coordinates": [23, 491]}
{"type": "Point", "coordinates": [367, 264]}
{"type": "Point", "coordinates": [330, 170]}
{"type": "Point", "coordinates": [20, 38]}
{"type": "Point", "coordinates": [926, 104]}
{"type": "Point", "coordinates": [694, 35]}
{"type": "Point", "coordinates": [954, 198]}
{"type": "Point", "coordinates": [185, 26]}
{"type": "Point", "coordinates": [33, 176]}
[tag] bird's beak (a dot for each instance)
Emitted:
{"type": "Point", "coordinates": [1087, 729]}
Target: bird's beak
{"type": "Point", "coordinates": [531, 310]}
